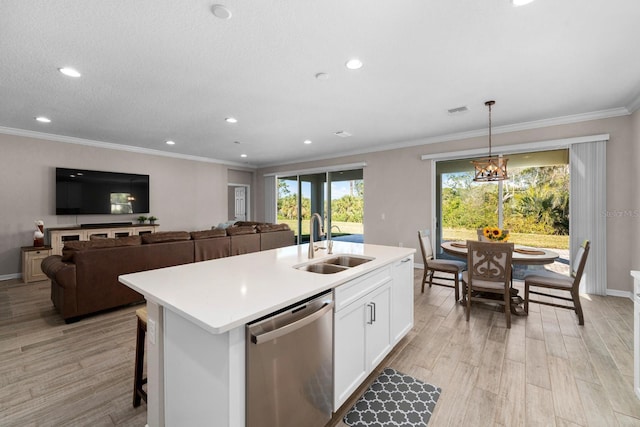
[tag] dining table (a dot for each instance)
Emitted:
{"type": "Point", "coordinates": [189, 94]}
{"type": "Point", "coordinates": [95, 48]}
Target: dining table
{"type": "Point", "coordinates": [525, 255]}
{"type": "Point", "coordinates": [522, 255]}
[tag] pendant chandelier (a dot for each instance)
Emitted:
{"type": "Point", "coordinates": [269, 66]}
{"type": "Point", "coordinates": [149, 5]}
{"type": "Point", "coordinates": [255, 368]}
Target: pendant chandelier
{"type": "Point", "coordinates": [492, 168]}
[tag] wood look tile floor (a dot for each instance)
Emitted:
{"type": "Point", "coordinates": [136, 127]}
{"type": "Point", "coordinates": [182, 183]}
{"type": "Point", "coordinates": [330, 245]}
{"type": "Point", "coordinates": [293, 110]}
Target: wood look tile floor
{"type": "Point", "coordinates": [545, 371]}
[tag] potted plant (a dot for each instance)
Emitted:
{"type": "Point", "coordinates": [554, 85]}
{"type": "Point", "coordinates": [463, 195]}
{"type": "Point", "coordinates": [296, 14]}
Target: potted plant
{"type": "Point", "coordinates": [142, 219]}
{"type": "Point", "coordinates": [152, 219]}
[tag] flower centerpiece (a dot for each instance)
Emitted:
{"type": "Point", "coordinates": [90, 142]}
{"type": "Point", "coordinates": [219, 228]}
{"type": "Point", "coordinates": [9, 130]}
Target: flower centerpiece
{"type": "Point", "coordinates": [495, 234]}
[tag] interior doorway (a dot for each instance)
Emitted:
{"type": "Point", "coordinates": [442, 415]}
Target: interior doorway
{"type": "Point", "coordinates": [238, 202]}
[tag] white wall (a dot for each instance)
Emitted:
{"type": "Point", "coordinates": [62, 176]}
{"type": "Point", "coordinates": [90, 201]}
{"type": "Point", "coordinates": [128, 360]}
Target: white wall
{"type": "Point", "coordinates": [398, 185]}
{"type": "Point", "coordinates": [184, 195]}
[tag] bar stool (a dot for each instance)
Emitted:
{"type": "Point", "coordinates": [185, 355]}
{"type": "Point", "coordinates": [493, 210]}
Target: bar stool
{"type": "Point", "coordinates": [138, 382]}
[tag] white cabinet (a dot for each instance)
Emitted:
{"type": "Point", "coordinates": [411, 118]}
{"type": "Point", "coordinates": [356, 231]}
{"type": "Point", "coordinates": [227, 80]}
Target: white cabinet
{"type": "Point", "coordinates": [378, 325]}
{"type": "Point", "coordinates": [402, 298]}
{"type": "Point", "coordinates": [362, 330]}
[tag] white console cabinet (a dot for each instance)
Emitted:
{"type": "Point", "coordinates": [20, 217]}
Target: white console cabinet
{"type": "Point", "coordinates": [58, 236]}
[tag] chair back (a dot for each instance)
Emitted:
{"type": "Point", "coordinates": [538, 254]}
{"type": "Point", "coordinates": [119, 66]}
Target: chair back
{"type": "Point", "coordinates": [577, 267]}
{"type": "Point", "coordinates": [425, 247]}
{"type": "Point", "coordinates": [489, 261]}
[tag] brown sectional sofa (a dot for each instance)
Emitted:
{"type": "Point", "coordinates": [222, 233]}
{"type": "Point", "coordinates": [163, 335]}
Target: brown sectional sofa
{"type": "Point", "coordinates": [84, 280]}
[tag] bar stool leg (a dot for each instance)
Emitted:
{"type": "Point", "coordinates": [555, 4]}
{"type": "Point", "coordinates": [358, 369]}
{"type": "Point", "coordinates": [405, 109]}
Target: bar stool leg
{"type": "Point", "coordinates": [138, 392]}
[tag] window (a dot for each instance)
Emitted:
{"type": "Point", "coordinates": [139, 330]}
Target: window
{"type": "Point", "coordinates": [299, 196]}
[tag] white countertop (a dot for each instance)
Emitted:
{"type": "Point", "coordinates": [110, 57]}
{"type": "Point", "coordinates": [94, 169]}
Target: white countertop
{"type": "Point", "coordinates": [225, 293]}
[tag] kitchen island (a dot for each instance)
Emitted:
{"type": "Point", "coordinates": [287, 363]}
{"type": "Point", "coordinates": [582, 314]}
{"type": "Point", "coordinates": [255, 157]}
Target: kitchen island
{"type": "Point", "coordinates": [197, 315]}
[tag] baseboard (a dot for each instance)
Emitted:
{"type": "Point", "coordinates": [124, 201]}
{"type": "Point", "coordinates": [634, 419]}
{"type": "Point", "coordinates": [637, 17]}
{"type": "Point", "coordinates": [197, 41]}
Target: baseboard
{"type": "Point", "coordinates": [10, 276]}
{"type": "Point", "coordinates": [616, 293]}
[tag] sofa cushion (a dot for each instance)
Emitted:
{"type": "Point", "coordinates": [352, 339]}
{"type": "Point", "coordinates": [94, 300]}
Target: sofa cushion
{"type": "Point", "coordinates": [267, 228]}
{"type": "Point", "coordinates": [70, 248]}
{"type": "Point", "coordinates": [208, 234]}
{"type": "Point", "coordinates": [247, 223]}
{"type": "Point", "coordinates": [245, 229]}
{"type": "Point", "coordinates": [165, 236]}
{"type": "Point", "coordinates": [118, 241]}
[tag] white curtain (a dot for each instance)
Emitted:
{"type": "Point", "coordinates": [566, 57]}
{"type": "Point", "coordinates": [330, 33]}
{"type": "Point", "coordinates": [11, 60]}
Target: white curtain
{"type": "Point", "coordinates": [270, 200]}
{"type": "Point", "coordinates": [587, 207]}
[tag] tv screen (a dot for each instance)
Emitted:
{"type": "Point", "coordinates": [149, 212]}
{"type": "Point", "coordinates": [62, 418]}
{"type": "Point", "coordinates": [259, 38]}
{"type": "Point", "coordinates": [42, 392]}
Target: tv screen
{"type": "Point", "coordinates": [81, 192]}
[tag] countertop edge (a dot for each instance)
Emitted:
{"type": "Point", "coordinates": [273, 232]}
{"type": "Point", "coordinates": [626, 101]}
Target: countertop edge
{"type": "Point", "coordinates": [282, 303]}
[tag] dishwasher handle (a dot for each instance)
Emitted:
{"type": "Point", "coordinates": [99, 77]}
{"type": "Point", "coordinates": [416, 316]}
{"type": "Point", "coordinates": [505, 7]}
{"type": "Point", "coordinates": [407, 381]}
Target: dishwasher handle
{"type": "Point", "coordinates": [286, 329]}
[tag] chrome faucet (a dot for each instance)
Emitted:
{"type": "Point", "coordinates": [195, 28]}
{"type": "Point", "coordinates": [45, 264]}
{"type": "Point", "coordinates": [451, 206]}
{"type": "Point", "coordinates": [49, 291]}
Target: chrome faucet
{"type": "Point", "coordinates": [329, 241]}
{"type": "Point", "coordinates": [312, 249]}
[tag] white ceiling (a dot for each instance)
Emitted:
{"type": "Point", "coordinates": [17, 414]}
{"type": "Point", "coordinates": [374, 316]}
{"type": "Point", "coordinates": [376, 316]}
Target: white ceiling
{"type": "Point", "coordinates": [159, 70]}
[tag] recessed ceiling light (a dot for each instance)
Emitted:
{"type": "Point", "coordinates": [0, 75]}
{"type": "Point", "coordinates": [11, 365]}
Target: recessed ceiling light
{"type": "Point", "coordinates": [307, 141]}
{"type": "Point", "coordinates": [354, 64]}
{"type": "Point", "coordinates": [243, 155]}
{"type": "Point", "coordinates": [231, 120]}
{"type": "Point", "coordinates": [43, 119]}
{"type": "Point", "coordinates": [520, 2]}
{"type": "Point", "coordinates": [170, 142]}
{"type": "Point", "coordinates": [322, 76]}
{"type": "Point", "coordinates": [71, 72]}
{"type": "Point", "coordinates": [220, 11]}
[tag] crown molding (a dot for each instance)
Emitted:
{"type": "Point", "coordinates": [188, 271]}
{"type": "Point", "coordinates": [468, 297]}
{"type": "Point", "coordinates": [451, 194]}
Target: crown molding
{"type": "Point", "coordinates": [552, 144]}
{"type": "Point", "coordinates": [576, 118]}
{"type": "Point", "coordinates": [119, 147]}
{"type": "Point", "coordinates": [634, 105]}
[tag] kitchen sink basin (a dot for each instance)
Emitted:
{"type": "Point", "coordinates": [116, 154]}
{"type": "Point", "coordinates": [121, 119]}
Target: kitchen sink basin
{"type": "Point", "coordinates": [322, 268]}
{"type": "Point", "coordinates": [334, 265]}
{"type": "Point", "coordinates": [347, 260]}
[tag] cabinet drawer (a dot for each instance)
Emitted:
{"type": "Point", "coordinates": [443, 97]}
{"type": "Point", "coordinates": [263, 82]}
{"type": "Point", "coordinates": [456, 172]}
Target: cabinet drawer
{"type": "Point", "coordinates": [349, 292]}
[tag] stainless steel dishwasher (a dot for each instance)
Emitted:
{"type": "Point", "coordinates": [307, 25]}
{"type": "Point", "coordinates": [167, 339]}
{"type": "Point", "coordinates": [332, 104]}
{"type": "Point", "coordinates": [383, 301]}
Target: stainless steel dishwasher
{"type": "Point", "coordinates": [290, 366]}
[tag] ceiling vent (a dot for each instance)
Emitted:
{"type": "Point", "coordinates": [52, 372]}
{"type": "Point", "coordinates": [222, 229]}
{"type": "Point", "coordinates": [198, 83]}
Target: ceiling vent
{"type": "Point", "coordinates": [343, 134]}
{"type": "Point", "coordinates": [458, 110]}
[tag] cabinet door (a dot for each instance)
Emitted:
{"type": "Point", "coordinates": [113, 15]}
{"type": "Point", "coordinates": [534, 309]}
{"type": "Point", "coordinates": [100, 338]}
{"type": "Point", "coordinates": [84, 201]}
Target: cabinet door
{"type": "Point", "coordinates": [120, 232]}
{"type": "Point", "coordinates": [98, 232]}
{"type": "Point", "coordinates": [402, 299]}
{"type": "Point", "coordinates": [59, 237]}
{"type": "Point", "coordinates": [378, 325]}
{"type": "Point", "coordinates": [350, 364]}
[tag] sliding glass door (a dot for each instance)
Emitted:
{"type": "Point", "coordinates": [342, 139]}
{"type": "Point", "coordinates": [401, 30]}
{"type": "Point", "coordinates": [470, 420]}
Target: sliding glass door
{"type": "Point", "coordinates": [300, 196]}
{"type": "Point", "coordinates": [533, 204]}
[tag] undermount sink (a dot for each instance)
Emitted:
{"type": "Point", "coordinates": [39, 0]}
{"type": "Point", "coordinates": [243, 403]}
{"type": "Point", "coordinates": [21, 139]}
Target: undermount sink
{"type": "Point", "coordinates": [347, 260]}
{"type": "Point", "coordinates": [334, 265]}
{"type": "Point", "coordinates": [322, 268]}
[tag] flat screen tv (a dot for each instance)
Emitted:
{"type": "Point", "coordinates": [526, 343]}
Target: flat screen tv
{"type": "Point", "coordinates": [83, 192]}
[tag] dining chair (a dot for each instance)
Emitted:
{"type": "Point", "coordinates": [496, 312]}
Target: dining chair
{"type": "Point", "coordinates": [551, 280]}
{"type": "Point", "coordinates": [433, 265]}
{"type": "Point", "coordinates": [488, 272]}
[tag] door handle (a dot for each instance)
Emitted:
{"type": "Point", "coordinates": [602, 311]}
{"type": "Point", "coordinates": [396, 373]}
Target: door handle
{"type": "Point", "coordinates": [406, 260]}
{"type": "Point", "coordinates": [374, 312]}
{"type": "Point", "coordinates": [277, 333]}
{"type": "Point", "coordinates": [371, 315]}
